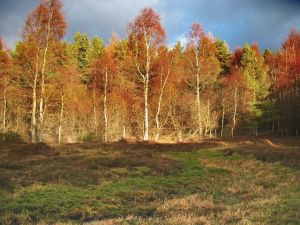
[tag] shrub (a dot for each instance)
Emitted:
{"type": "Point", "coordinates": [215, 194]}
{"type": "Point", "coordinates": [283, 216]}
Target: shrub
{"type": "Point", "coordinates": [90, 137]}
{"type": "Point", "coordinates": [10, 137]}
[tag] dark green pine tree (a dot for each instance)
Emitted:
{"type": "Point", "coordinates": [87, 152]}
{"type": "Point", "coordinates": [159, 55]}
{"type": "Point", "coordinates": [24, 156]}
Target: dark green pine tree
{"type": "Point", "coordinates": [82, 44]}
{"type": "Point", "coordinates": [255, 72]}
{"type": "Point", "coordinates": [96, 48]}
{"type": "Point", "coordinates": [223, 55]}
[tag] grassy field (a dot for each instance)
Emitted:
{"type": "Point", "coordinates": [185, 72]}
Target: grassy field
{"type": "Point", "coordinates": [215, 182]}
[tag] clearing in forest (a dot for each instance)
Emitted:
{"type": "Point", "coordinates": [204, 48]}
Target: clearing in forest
{"type": "Point", "coordinates": [229, 182]}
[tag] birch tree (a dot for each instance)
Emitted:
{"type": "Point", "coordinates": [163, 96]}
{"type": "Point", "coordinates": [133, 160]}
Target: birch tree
{"type": "Point", "coordinates": [195, 40]}
{"type": "Point", "coordinates": [5, 70]}
{"type": "Point", "coordinates": [104, 69]}
{"type": "Point", "coordinates": [65, 82]}
{"type": "Point", "coordinates": [147, 33]}
{"type": "Point", "coordinates": [55, 30]}
{"type": "Point", "coordinates": [164, 70]}
{"type": "Point", "coordinates": [203, 68]}
{"type": "Point", "coordinates": [43, 26]}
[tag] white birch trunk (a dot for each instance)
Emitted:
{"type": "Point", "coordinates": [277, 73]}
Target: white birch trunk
{"type": "Point", "coordinates": [61, 119]}
{"type": "Point", "coordinates": [198, 100]}
{"type": "Point", "coordinates": [105, 105]}
{"type": "Point", "coordinates": [234, 113]}
{"type": "Point", "coordinates": [208, 118]}
{"type": "Point", "coordinates": [33, 111]}
{"type": "Point", "coordinates": [94, 108]}
{"type": "Point", "coordinates": [41, 118]}
{"type": "Point", "coordinates": [146, 90]}
{"type": "Point", "coordinates": [124, 133]}
{"type": "Point", "coordinates": [157, 123]}
{"type": "Point", "coordinates": [223, 116]}
{"type": "Point", "coordinates": [4, 108]}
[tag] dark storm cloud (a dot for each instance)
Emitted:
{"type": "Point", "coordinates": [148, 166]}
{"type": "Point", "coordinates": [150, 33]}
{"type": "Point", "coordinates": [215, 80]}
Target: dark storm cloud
{"type": "Point", "coordinates": [266, 22]}
{"type": "Point", "coordinates": [12, 15]}
{"type": "Point", "coordinates": [102, 17]}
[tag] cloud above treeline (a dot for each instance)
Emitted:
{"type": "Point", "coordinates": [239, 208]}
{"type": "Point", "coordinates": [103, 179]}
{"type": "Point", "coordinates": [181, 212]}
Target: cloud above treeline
{"type": "Point", "coordinates": [238, 22]}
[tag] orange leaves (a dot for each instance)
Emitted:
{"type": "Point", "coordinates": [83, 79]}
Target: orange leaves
{"type": "Point", "coordinates": [47, 14]}
{"type": "Point", "coordinates": [255, 47]}
{"type": "Point", "coordinates": [143, 74]}
{"type": "Point", "coordinates": [287, 62]}
{"type": "Point", "coordinates": [5, 61]}
{"type": "Point", "coordinates": [292, 44]}
{"type": "Point", "coordinates": [237, 56]}
{"type": "Point", "coordinates": [58, 22]}
{"type": "Point", "coordinates": [147, 26]}
{"type": "Point", "coordinates": [1, 44]}
{"type": "Point", "coordinates": [108, 61]}
{"type": "Point", "coordinates": [234, 78]}
{"type": "Point", "coordinates": [196, 35]}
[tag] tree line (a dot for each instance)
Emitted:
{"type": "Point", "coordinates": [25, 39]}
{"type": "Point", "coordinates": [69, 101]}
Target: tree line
{"type": "Point", "coordinates": [140, 87]}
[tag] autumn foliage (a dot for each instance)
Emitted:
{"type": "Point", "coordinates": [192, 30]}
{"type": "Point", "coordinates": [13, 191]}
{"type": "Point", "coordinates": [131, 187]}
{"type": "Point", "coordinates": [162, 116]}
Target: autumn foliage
{"type": "Point", "coordinates": [141, 88]}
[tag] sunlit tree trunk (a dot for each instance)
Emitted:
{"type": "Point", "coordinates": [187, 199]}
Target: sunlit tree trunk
{"type": "Point", "coordinates": [34, 103]}
{"type": "Point", "coordinates": [208, 118]}
{"type": "Point", "coordinates": [18, 118]}
{"type": "Point", "coordinates": [198, 100]}
{"type": "Point", "coordinates": [41, 118]}
{"type": "Point", "coordinates": [148, 33]}
{"type": "Point", "coordinates": [234, 113]}
{"type": "Point", "coordinates": [61, 118]}
{"type": "Point", "coordinates": [94, 108]}
{"type": "Point", "coordinates": [146, 89]}
{"type": "Point", "coordinates": [255, 123]}
{"type": "Point", "coordinates": [223, 116]}
{"type": "Point", "coordinates": [157, 123]}
{"type": "Point", "coordinates": [105, 105]}
{"type": "Point", "coordinates": [4, 108]}
{"type": "Point", "coordinates": [124, 133]}
{"type": "Point", "coordinates": [146, 122]}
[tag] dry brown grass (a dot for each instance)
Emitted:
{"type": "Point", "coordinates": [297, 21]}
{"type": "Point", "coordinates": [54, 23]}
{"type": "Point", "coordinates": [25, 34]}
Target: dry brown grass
{"type": "Point", "coordinates": [241, 181]}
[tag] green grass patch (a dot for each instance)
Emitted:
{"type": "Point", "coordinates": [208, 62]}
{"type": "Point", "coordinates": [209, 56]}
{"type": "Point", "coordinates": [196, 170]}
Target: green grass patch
{"type": "Point", "coordinates": [87, 182]}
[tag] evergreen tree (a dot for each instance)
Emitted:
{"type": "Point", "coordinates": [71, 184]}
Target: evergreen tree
{"type": "Point", "coordinates": [256, 76]}
{"type": "Point", "coordinates": [96, 48]}
{"type": "Point", "coordinates": [223, 55]}
{"type": "Point", "coordinates": [82, 44]}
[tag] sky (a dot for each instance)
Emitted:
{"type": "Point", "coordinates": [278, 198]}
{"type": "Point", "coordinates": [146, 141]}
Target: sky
{"type": "Point", "coordinates": [266, 22]}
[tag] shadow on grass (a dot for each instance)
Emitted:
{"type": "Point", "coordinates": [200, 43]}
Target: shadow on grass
{"type": "Point", "coordinates": [91, 181]}
{"type": "Point", "coordinates": [289, 157]}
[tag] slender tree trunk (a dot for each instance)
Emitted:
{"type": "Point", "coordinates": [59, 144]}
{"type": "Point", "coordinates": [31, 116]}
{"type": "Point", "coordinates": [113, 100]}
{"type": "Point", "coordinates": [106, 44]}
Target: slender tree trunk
{"type": "Point", "coordinates": [198, 100]}
{"type": "Point", "coordinates": [146, 90]}
{"type": "Point", "coordinates": [146, 124]}
{"type": "Point", "coordinates": [41, 118]}
{"type": "Point", "coordinates": [209, 119]}
{"type": "Point", "coordinates": [34, 103]}
{"type": "Point", "coordinates": [255, 123]}
{"type": "Point", "coordinates": [18, 118]}
{"type": "Point", "coordinates": [94, 108]}
{"type": "Point", "coordinates": [255, 100]}
{"type": "Point", "coordinates": [179, 135]}
{"type": "Point", "coordinates": [280, 115]}
{"type": "Point", "coordinates": [124, 133]}
{"type": "Point", "coordinates": [4, 108]}
{"type": "Point", "coordinates": [273, 117]}
{"type": "Point", "coordinates": [61, 118]}
{"type": "Point", "coordinates": [223, 116]}
{"type": "Point", "coordinates": [105, 105]}
{"type": "Point", "coordinates": [157, 118]}
{"type": "Point", "coordinates": [159, 106]}
{"type": "Point", "coordinates": [234, 113]}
